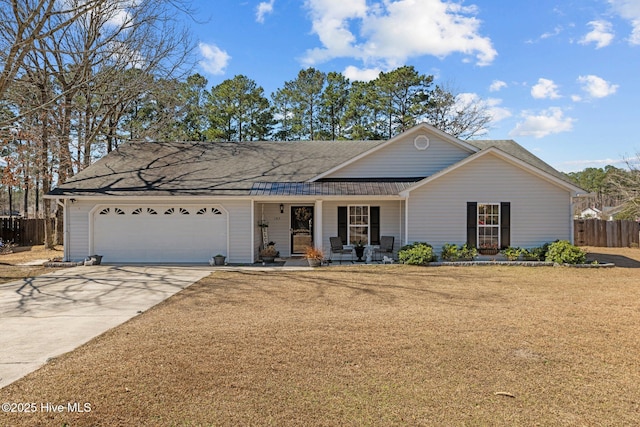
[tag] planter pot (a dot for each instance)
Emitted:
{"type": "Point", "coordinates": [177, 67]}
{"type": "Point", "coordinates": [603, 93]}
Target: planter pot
{"type": "Point", "coordinates": [314, 262]}
{"type": "Point", "coordinates": [268, 259]}
{"type": "Point", "coordinates": [218, 260]}
{"type": "Point", "coordinates": [359, 253]}
{"type": "Point", "coordinates": [489, 251]}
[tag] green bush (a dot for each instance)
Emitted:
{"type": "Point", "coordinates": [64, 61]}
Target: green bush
{"type": "Point", "coordinates": [449, 252]}
{"type": "Point", "coordinates": [453, 252]}
{"type": "Point", "coordinates": [537, 254]}
{"type": "Point", "coordinates": [467, 252]}
{"type": "Point", "coordinates": [512, 253]}
{"type": "Point", "coordinates": [563, 252]}
{"type": "Point", "coordinates": [418, 253]}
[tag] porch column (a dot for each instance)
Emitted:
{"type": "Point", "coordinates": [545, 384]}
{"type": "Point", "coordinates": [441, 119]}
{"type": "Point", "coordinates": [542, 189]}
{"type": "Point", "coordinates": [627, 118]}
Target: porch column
{"type": "Point", "coordinates": [317, 225]}
{"type": "Point", "coordinates": [406, 220]}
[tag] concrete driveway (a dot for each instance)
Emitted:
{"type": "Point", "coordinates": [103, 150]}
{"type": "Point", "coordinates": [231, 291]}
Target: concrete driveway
{"type": "Point", "coordinates": [49, 315]}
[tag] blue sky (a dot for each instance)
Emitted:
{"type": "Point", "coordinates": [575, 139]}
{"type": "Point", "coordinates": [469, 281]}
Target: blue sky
{"type": "Point", "coordinates": [560, 77]}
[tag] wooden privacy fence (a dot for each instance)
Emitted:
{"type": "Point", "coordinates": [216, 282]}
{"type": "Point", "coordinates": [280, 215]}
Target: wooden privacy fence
{"type": "Point", "coordinates": [612, 234]}
{"type": "Point", "coordinates": [25, 231]}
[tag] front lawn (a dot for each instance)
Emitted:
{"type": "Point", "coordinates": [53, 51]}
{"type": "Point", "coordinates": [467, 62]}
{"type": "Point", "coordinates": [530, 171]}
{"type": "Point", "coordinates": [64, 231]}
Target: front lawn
{"type": "Point", "coordinates": [15, 265]}
{"type": "Point", "coordinates": [362, 345]}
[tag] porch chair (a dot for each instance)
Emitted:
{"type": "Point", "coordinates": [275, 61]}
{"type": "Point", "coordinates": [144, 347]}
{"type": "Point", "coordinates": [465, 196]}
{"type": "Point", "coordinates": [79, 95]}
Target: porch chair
{"type": "Point", "coordinates": [338, 248]}
{"type": "Point", "coordinates": [386, 247]}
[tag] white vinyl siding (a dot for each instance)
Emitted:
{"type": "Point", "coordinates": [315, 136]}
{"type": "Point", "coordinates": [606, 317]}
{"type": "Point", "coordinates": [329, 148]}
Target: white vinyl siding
{"type": "Point", "coordinates": [78, 229]}
{"type": "Point", "coordinates": [401, 160]}
{"type": "Point", "coordinates": [540, 210]}
{"type": "Point", "coordinates": [240, 244]}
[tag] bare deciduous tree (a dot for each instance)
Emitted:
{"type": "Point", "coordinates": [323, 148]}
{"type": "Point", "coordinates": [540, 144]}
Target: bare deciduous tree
{"type": "Point", "coordinates": [462, 116]}
{"type": "Point", "coordinates": [24, 22]}
{"type": "Point", "coordinates": [626, 183]}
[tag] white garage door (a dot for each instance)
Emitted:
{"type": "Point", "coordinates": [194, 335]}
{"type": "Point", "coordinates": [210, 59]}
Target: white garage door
{"type": "Point", "coordinates": [159, 233]}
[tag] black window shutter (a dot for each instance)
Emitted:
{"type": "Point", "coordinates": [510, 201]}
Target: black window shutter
{"type": "Point", "coordinates": [472, 221]}
{"type": "Point", "coordinates": [375, 225]}
{"type": "Point", "coordinates": [505, 225]}
{"type": "Point", "coordinates": [342, 224]}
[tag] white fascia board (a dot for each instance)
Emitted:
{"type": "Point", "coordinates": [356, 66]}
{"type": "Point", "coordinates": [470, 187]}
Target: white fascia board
{"type": "Point", "coordinates": [416, 129]}
{"type": "Point", "coordinates": [146, 198]}
{"type": "Point", "coordinates": [504, 156]}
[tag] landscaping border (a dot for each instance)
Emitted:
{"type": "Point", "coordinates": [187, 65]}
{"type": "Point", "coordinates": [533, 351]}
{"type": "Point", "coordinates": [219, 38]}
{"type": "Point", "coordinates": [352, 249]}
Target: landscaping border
{"type": "Point", "coordinates": [515, 264]}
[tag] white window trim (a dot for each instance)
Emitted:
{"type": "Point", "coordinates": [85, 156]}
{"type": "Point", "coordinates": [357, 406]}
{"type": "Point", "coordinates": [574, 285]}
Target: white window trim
{"type": "Point", "coordinates": [359, 225]}
{"type": "Point", "coordinates": [498, 226]}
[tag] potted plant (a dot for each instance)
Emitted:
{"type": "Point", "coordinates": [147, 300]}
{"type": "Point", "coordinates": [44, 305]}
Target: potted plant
{"type": "Point", "coordinates": [269, 253]}
{"type": "Point", "coordinates": [488, 249]}
{"type": "Point", "coordinates": [217, 259]}
{"type": "Point", "coordinates": [359, 248]}
{"type": "Point", "coordinates": [314, 256]}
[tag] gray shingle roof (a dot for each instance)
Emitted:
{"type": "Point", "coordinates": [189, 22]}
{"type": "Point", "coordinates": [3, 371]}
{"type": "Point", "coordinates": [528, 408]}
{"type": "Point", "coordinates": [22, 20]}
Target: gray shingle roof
{"type": "Point", "coordinates": [243, 169]}
{"type": "Point", "coordinates": [207, 168]}
{"type": "Point", "coordinates": [333, 188]}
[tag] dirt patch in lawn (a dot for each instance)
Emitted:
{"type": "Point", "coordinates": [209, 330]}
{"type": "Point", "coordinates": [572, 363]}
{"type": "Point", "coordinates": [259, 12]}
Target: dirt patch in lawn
{"type": "Point", "coordinates": [377, 345]}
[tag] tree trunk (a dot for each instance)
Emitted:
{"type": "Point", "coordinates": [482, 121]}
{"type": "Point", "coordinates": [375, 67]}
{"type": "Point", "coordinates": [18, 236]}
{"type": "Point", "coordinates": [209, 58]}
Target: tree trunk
{"type": "Point", "coordinates": [46, 178]}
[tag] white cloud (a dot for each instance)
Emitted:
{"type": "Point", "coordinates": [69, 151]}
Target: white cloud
{"type": "Point", "coordinates": [549, 34]}
{"type": "Point", "coordinates": [362, 75]}
{"type": "Point", "coordinates": [600, 34]}
{"type": "Point", "coordinates": [264, 8]}
{"type": "Point", "coordinates": [545, 89]}
{"type": "Point", "coordinates": [390, 32]}
{"type": "Point", "coordinates": [470, 101]}
{"type": "Point", "coordinates": [497, 112]}
{"type": "Point", "coordinates": [117, 12]}
{"type": "Point", "coordinates": [497, 85]}
{"type": "Point", "coordinates": [546, 123]}
{"type": "Point", "coordinates": [629, 10]}
{"type": "Point", "coordinates": [597, 87]}
{"type": "Point", "coordinates": [215, 59]}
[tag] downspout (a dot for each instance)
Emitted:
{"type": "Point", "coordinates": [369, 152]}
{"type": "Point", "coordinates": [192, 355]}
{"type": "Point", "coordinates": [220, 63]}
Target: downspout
{"type": "Point", "coordinates": [252, 257]}
{"type": "Point", "coordinates": [317, 225]}
{"type": "Point", "coordinates": [65, 228]}
{"type": "Point", "coordinates": [572, 222]}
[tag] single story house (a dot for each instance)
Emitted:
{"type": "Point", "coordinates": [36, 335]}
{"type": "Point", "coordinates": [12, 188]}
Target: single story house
{"type": "Point", "coordinates": [187, 201]}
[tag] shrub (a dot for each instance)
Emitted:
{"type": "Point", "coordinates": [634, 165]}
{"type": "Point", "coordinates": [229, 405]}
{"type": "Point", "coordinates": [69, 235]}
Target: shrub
{"type": "Point", "coordinates": [467, 252]}
{"type": "Point", "coordinates": [537, 254]}
{"type": "Point", "coordinates": [452, 252]}
{"type": "Point", "coordinates": [418, 253]}
{"type": "Point", "coordinates": [449, 252]}
{"type": "Point", "coordinates": [512, 253]}
{"type": "Point", "coordinates": [563, 252]}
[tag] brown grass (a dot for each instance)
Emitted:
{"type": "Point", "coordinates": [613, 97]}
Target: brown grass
{"type": "Point", "coordinates": [10, 264]}
{"type": "Point", "coordinates": [379, 345]}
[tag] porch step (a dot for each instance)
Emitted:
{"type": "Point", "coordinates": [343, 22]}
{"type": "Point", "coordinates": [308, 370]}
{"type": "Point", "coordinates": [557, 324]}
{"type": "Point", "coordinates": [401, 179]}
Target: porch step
{"type": "Point", "coordinates": [296, 262]}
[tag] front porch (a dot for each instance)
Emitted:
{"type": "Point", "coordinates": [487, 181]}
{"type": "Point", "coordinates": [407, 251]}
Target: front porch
{"type": "Point", "coordinates": [293, 225]}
